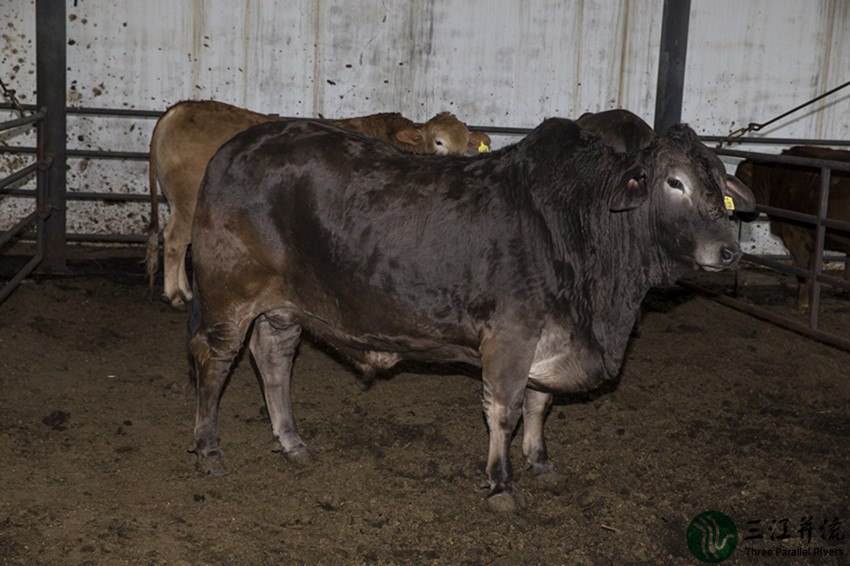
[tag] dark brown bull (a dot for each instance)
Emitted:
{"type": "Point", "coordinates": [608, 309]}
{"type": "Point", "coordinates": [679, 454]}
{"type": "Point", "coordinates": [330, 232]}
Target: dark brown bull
{"type": "Point", "coordinates": [797, 187]}
{"type": "Point", "coordinates": [529, 262]}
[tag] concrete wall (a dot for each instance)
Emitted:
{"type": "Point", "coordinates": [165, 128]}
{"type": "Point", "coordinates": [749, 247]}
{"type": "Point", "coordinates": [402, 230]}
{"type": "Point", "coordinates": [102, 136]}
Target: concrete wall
{"type": "Point", "coordinates": [491, 62]}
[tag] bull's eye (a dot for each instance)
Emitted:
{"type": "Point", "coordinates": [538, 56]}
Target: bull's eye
{"type": "Point", "coordinates": [676, 184]}
{"type": "Point", "coordinates": [439, 143]}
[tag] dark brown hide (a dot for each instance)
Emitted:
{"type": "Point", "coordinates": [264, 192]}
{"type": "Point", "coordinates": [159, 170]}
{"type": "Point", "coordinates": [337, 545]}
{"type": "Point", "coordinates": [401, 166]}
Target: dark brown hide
{"type": "Point", "coordinates": [529, 262]}
{"type": "Point", "coordinates": [621, 129]}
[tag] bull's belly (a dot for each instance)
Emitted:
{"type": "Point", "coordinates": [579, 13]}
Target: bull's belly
{"type": "Point", "coordinates": [377, 350]}
{"type": "Point", "coordinates": [562, 362]}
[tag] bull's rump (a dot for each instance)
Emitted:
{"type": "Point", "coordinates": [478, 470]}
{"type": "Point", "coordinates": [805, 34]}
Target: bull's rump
{"type": "Point", "coordinates": [411, 256]}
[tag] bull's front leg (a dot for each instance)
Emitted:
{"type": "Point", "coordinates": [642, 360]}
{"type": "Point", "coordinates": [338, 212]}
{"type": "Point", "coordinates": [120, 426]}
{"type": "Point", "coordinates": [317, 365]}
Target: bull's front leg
{"type": "Point", "coordinates": [505, 366]}
{"type": "Point", "coordinates": [273, 345]}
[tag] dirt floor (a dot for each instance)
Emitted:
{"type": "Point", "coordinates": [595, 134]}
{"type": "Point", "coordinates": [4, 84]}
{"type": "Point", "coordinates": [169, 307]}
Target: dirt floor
{"type": "Point", "coordinates": [715, 410]}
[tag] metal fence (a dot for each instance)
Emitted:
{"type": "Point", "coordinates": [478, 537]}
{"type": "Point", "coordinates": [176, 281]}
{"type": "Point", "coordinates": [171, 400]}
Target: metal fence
{"type": "Point", "coordinates": [815, 276]}
{"type": "Point", "coordinates": [49, 167]}
{"type": "Point", "coordinates": [93, 154]}
{"type": "Point", "coordinates": [41, 210]}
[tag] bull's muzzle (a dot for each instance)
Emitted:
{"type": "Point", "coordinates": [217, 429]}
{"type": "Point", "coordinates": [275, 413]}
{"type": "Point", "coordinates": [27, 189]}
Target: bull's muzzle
{"type": "Point", "coordinates": [730, 256]}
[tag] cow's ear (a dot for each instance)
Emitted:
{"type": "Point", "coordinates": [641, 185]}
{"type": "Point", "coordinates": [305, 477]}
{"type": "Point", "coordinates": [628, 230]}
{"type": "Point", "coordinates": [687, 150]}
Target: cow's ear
{"type": "Point", "coordinates": [742, 199]}
{"type": "Point", "coordinates": [410, 135]}
{"type": "Point", "coordinates": [478, 138]}
{"type": "Point", "coordinates": [631, 192]}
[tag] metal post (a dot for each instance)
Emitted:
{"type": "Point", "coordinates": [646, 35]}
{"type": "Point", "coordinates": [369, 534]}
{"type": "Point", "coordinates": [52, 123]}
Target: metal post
{"type": "Point", "coordinates": [671, 63]}
{"type": "Point", "coordinates": [50, 84]}
{"type": "Point", "coordinates": [820, 238]}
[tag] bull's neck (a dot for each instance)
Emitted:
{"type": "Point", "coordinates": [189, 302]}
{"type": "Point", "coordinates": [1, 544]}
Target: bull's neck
{"type": "Point", "coordinates": [595, 248]}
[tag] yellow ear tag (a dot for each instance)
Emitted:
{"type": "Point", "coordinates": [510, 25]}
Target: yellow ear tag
{"type": "Point", "coordinates": [483, 148]}
{"type": "Point", "coordinates": [730, 204]}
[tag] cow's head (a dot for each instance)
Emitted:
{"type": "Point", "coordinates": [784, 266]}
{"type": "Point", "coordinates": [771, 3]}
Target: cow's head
{"type": "Point", "coordinates": [443, 134]}
{"type": "Point", "coordinates": [689, 195]}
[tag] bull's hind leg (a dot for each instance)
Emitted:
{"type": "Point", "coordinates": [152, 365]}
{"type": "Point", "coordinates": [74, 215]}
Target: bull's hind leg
{"type": "Point", "coordinates": [273, 346]}
{"type": "Point", "coordinates": [212, 359]}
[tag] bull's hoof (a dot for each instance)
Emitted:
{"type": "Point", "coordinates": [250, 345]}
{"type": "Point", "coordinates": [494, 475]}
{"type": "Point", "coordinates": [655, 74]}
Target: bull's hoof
{"type": "Point", "coordinates": [175, 303]}
{"type": "Point", "coordinates": [548, 477]}
{"type": "Point", "coordinates": [550, 481]}
{"type": "Point", "coordinates": [300, 458]}
{"type": "Point", "coordinates": [539, 469]}
{"type": "Point", "coordinates": [211, 466]}
{"type": "Point", "coordinates": [511, 503]}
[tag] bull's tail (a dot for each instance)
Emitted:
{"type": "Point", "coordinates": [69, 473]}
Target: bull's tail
{"type": "Point", "coordinates": [194, 323]}
{"type": "Point", "coordinates": [152, 254]}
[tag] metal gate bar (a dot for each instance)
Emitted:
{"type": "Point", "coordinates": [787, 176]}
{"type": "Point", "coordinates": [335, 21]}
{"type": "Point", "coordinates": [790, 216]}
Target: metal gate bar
{"type": "Point", "coordinates": [16, 176]}
{"type": "Point", "coordinates": [98, 154]}
{"type": "Point", "coordinates": [799, 271]}
{"type": "Point", "coordinates": [764, 314]}
{"type": "Point", "coordinates": [49, 215]}
{"type": "Point", "coordinates": [38, 215]}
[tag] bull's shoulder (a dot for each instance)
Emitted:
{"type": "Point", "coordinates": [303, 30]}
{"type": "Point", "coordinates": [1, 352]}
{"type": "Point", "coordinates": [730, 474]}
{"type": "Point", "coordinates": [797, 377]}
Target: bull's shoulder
{"type": "Point", "coordinates": [556, 132]}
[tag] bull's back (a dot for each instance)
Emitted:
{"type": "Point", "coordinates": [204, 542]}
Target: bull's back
{"type": "Point", "coordinates": [329, 189]}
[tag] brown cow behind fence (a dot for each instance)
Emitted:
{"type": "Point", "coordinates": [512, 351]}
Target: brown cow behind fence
{"type": "Point", "coordinates": [795, 187]}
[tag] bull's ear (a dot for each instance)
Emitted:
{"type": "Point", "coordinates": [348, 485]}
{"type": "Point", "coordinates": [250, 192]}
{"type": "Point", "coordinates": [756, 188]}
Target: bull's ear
{"type": "Point", "coordinates": [409, 135]}
{"type": "Point", "coordinates": [741, 197]}
{"type": "Point", "coordinates": [478, 138]}
{"type": "Point", "coordinates": [631, 192]}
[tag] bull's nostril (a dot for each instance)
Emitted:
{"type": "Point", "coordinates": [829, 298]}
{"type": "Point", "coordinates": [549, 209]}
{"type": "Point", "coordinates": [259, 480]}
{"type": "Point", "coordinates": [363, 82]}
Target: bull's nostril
{"type": "Point", "coordinates": [730, 255]}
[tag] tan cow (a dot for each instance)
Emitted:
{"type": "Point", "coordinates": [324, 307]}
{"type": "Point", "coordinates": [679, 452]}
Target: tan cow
{"type": "Point", "coordinates": [188, 134]}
